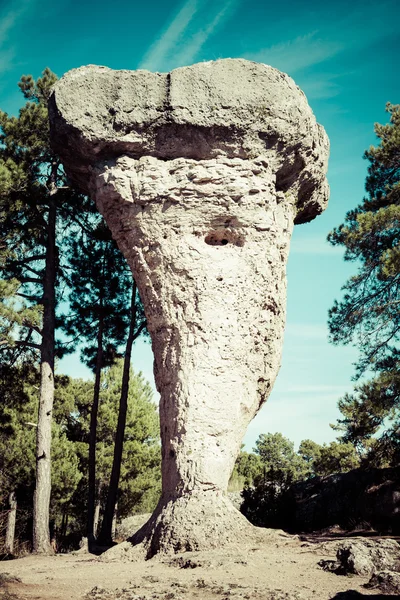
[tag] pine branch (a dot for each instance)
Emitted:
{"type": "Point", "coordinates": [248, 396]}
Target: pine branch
{"type": "Point", "coordinates": [32, 326]}
{"type": "Point", "coordinates": [30, 280]}
{"type": "Point", "coordinates": [139, 331]}
{"type": "Point", "coordinates": [21, 343]}
{"type": "Point", "coordinates": [29, 259]}
{"type": "Point", "coordinates": [32, 270]}
{"type": "Point", "coordinates": [30, 297]}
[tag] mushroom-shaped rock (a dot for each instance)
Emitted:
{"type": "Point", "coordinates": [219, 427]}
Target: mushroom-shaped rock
{"type": "Point", "coordinates": [200, 174]}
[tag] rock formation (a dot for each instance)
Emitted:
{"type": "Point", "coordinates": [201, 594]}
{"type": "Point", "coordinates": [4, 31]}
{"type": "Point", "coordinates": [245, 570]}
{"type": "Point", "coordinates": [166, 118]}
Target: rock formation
{"type": "Point", "coordinates": [379, 559]}
{"type": "Point", "coordinates": [200, 174]}
{"type": "Point", "coordinates": [358, 499]}
{"type": "Point", "coordinates": [363, 556]}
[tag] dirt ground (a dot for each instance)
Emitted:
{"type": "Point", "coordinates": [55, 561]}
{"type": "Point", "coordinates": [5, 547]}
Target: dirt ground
{"type": "Point", "coordinates": [276, 567]}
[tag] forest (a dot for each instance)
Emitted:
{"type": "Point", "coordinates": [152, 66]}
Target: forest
{"type": "Point", "coordinates": [75, 455]}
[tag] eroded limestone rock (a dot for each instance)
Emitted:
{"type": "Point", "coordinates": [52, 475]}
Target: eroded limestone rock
{"type": "Point", "coordinates": [386, 581]}
{"type": "Point", "coordinates": [200, 174]}
{"type": "Point", "coordinates": [364, 557]}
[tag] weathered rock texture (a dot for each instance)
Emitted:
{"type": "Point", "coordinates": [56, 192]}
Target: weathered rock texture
{"type": "Point", "coordinates": [200, 175]}
{"type": "Point", "coordinates": [364, 557]}
{"type": "Point", "coordinates": [387, 582]}
{"type": "Point", "coordinates": [379, 559]}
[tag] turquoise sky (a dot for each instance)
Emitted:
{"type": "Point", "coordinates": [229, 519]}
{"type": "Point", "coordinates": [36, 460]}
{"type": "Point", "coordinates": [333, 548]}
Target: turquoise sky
{"type": "Point", "coordinates": [343, 55]}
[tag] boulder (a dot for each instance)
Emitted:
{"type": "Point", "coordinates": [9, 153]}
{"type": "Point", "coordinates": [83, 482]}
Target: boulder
{"type": "Point", "coordinates": [386, 581]}
{"type": "Point", "coordinates": [363, 556]}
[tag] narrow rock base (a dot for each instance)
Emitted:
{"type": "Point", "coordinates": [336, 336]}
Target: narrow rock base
{"type": "Point", "coordinates": [194, 521]}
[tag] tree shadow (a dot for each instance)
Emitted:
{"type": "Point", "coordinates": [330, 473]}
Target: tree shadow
{"type": "Point", "coordinates": [353, 595]}
{"type": "Point", "coordinates": [99, 549]}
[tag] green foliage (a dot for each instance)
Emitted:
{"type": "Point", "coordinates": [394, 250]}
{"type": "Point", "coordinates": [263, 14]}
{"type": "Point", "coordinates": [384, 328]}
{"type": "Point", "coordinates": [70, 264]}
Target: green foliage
{"type": "Point", "coordinates": [281, 464]}
{"type": "Point", "coordinates": [140, 482]}
{"type": "Point", "coordinates": [309, 452]}
{"type": "Point", "coordinates": [368, 315]}
{"type": "Point", "coordinates": [18, 320]}
{"type": "Point", "coordinates": [17, 445]}
{"type": "Point", "coordinates": [278, 466]}
{"type": "Point", "coordinates": [66, 474]}
{"type": "Point", "coordinates": [18, 441]}
{"type": "Point", "coordinates": [100, 283]}
{"type": "Point", "coordinates": [30, 174]}
{"type": "Point", "coordinates": [42, 216]}
{"type": "Point", "coordinates": [383, 451]}
{"type": "Point", "coordinates": [366, 409]}
{"type": "Point", "coordinates": [248, 466]}
{"type": "Point", "coordinates": [335, 458]}
{"type": "Point", "coordinates": [140, 469]}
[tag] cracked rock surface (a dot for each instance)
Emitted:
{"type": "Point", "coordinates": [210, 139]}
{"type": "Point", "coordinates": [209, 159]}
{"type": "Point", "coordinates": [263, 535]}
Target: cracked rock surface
{"type": "Point", "coordinates": [364, 557]}
{"type": "Point", "coordinates": [200, 174]}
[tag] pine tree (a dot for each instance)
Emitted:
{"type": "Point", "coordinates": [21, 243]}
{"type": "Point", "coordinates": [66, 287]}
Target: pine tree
{"type": "Point", "coordinates": [17, 442]}
{"type": "Point", "coordinates": [99, 303]}
{"type": "Point", "coordinates": [34, 201]}
{"type": "Point", "coordinates": [281, 464]}
{"type": "Point", "coordinates": [337, 457]}
{"type": "Point", "coordinates": [141, 457]}
{"type": "Point", "coordinates": [368, 315]}
{"type": "Point", "coordinates": [139, 483]}
{"type": "Point", "coordinates": [19, 392]}
{"type": "Point", "coordinates": [136, 327]}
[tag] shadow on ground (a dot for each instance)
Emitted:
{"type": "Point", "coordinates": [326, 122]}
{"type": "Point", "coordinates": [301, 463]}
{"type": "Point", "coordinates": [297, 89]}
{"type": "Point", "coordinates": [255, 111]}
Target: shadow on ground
{"type": "Point", "coordinates": [328, 536]}
{"type": "Point", "coordinates": [353, 595]}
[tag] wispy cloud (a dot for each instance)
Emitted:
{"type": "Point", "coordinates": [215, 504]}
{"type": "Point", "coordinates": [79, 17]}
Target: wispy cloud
{"type": "Point", "coordinates": [192, 48]}
{"type": "Point", "coordinates": [321, 88]}
{"type": "Point", "coordinates": [302, 52]}
{"type": "Point", "coordinates": [170, 36]}
{"type": "Point", "coordinates": [10, 18]}
{"type": "Point", "coordinates": [346, 33]}
{"type": "Point", "coordinates": [182, 39]}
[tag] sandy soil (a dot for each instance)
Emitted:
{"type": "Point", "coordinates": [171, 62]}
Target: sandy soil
{"type": "Point", "coordinates": [277, 567]}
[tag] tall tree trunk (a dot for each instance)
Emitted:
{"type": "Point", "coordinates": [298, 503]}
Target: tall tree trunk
{"type": "Point", "coordinates": [96, 518]}
{"type": "Point", "coordinates": [92, 433]}
{"type": "Point", "coordinates": [106, 529]}
{"type": "Point", "coordinates": [65, 527]}
{"type": "Point", "coordinates": [11, 520]}
{"type": "Point", "coordinates": [41, 506]}
{"type": "Point", "coordinates": [114, 521]}
{"type": "Point", "coordinates": [63, 524]}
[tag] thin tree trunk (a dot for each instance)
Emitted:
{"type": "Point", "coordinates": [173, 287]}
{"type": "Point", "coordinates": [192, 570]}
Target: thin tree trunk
{"type": "Point", "coordinates": [96, 518]}
{"type": "Point", "coordinates": [106, 529]}
{"type": "Point", "coordinates": [11, 520]}
{"type": "Point", "coordinates": [41, 506]}
{"type": "Point", "coordinates": [114, 521]}
{"type": "Point", "coordinates": [92, 434]}
{"type": "Point", "coordinates": [65, 526]}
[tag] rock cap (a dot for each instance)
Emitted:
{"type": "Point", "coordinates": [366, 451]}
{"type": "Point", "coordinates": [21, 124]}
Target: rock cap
{"type": "Point", "coordinates": [231, 107]}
